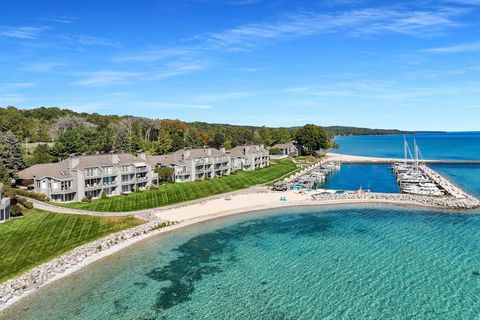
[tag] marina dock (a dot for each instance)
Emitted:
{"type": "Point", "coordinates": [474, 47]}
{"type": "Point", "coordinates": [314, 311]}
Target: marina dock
{"type": "Point", "coordinates": [416, 179]}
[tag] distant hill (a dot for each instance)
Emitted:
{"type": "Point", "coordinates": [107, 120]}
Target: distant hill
{"type": "Point", "coordinates": [355, 131]}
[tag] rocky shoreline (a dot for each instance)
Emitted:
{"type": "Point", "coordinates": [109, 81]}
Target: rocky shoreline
{"type": "Point", "coordinates": [33, 279]}
{"type": "Point", "coordinates": [445, 202]}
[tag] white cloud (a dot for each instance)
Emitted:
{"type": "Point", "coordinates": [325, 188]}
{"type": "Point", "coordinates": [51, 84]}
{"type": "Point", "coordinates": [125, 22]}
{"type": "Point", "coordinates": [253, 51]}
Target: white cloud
{"type": "Point", "coordinates": [418, 23]}
{"type": "Point", "coordinates": [465, 47]}
{"type": "Point", "coordinates": [58, 19]}
{"type": "Point", "coordinates": [152, 55]}
{"type": "Point", "coordinates": [169, 105]}
{"type": "Point", "coordinates": [22, 32]}
{"type": "Point", "coordinates": [108, 77]}
{"type": "Point", "coordinates": [105, 77]}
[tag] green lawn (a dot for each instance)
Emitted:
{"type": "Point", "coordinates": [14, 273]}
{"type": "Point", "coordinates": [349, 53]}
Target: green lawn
{"type": "Point", "coordinates": [39, 236]}
{"type": "Point", "coordinates": [178, 192]}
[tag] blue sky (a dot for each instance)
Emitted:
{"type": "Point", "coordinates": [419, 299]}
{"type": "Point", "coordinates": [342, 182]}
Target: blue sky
{"type": "Point", "coordinates": [384, 64]}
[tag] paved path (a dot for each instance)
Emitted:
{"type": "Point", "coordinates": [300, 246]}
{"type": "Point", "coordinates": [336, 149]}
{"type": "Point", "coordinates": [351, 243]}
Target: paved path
{"type": "Point", "coordinates": [147, 214]}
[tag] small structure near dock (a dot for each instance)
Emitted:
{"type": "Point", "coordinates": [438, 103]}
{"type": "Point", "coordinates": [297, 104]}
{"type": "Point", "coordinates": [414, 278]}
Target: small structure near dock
{"type": "Point", "coordinates": [311, 177]}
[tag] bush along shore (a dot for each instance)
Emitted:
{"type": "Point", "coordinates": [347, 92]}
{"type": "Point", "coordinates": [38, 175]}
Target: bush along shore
{"type": "Point", "coordinates": [28, 282]}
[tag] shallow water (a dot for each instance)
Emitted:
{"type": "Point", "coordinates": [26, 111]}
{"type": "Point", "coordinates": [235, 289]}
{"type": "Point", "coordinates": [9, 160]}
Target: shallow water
{"type": "Point", "coordinates": [335, 263]}
{"type": "Point", "coordinates": [342, 262]}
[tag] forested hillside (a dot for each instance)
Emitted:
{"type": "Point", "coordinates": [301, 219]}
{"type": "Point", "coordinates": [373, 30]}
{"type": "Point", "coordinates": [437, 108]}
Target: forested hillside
{"type": "Point", "coordinates": [30, 136]}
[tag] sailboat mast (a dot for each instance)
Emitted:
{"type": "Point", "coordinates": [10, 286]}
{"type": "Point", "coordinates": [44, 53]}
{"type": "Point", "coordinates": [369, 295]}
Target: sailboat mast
{"type": "Point", "coordinates": [405, 147]}
{"type": "Point", "coordinates": [416, 154]}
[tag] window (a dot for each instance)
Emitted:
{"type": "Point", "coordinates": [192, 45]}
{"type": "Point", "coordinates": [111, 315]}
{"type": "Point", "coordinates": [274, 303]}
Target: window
{"type": "Point", "coordinates": [89, 172]}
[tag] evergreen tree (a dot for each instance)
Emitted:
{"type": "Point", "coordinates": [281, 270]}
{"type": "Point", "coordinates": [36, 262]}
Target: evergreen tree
{"type": "Point", "coordinates": [41, 154]}
{"type": "Point", "coordinates": [164, 143]}
{"type": "Point", "coordinates": [122, 143]}
{"type": "Point", "coordinates": [4, 176]}
{"type": "Point", "coordinates": [11, 154]}
{"type": "Point", "coordinates": [193, 139]}
{"type": "Point", "coordinates": [72, 141]}
{"type": "Point", "coordinates": [177, 142]}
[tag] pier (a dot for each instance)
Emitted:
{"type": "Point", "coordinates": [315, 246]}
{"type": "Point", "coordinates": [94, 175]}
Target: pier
{"type": "Point", "coordinates": [345, 158]}
{"type": "Point", "coordinates": [450, 194]}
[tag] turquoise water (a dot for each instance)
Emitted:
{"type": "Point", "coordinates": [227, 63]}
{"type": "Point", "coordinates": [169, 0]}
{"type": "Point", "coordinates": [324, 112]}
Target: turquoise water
{"type": "Point", "coordinates": [337, 263]}
{"type": "Point", "coordinates": [453, 146]}
{"type": "Point", "coordinates": [377, 178]}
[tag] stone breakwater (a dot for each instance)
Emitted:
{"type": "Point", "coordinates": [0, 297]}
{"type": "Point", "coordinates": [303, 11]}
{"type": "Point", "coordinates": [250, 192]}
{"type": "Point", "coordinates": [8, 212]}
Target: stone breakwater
{"type": "Point", "coordinates": [437, 202]}
{"type": "Point", "coordinates": [35, 278]}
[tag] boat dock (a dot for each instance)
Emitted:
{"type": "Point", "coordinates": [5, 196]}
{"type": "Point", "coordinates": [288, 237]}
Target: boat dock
{"type": "Point", "coordinates": [416, 179]}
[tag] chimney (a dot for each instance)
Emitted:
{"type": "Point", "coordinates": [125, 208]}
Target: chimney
{"type": "Point", "coordinates": [222, 149]}
{"type": "Point", "coordinates": [142, 155]}
{"type": "Point", "coordinates": [262, 147]}
{"type": "Point", "coordinates": [73, 161]}
{"type": "Point", "coordinates": [114, 158]}
{"type": "Point", "coordinates": [186, 153]}
{"type": "Point", "coordinates": [247, 148]}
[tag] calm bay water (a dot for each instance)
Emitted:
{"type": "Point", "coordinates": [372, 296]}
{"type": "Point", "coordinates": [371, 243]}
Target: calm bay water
{"type": "Point", "coordinates": [341, 262]}
{"type": "Point", "coordinates": [376, 178]}
{"type": "Point", "coordinates": [453, 146]}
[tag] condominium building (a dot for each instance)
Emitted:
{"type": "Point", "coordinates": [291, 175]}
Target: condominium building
{"type": "Point", "coordinates": [249, 158]}
{"type": "Point", "coordinates": [194, 164]}
{"type": "Point", "coordinates": [89, 176]}
{"type": "Point", "coordinates": [80, 177]}
{"type": "Point", "coordinates": [4, 206]}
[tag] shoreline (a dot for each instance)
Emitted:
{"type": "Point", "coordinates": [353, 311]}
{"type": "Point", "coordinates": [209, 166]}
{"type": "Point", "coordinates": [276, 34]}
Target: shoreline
{"type": "Point", "coordinates": [198, 212]}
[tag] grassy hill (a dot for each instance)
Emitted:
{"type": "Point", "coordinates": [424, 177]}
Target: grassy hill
{"type": "Point", "coordinates": [40, 236]}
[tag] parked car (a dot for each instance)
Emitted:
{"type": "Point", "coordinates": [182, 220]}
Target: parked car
{"type": "Point", "coordinates": [279, 186]}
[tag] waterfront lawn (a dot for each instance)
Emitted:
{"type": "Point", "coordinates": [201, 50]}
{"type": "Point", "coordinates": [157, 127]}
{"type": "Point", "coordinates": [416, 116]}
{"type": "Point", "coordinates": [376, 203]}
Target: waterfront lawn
{"type": "Point", "coordinates": [172, 193]}
{"type": "Point", "coordinates": [40, 236]}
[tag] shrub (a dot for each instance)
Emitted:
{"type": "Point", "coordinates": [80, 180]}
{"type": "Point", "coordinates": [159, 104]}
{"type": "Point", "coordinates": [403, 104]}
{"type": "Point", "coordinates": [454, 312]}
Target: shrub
{"type": "Point", "coordinates": [86, 199]}
{"type": "Point", "coordinates": [12, 192]}
{"type": "Point", "coordinates": [104, 195]}
{"type": "Point", "coordinates": [16, 211]}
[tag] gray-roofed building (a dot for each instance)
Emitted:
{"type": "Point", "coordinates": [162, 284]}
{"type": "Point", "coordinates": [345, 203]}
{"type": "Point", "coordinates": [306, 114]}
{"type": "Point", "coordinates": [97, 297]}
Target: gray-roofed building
{"type": "Point", "coordinates": [288, 149]}
{"type": "Point", "coordinates": [195, 164]}
{"type": "Point", "coordinates": [89, 176]}
{"type": "Point", "coordinates": [4, 206]}
{"type": "Point", "coordinates": [249, 157]}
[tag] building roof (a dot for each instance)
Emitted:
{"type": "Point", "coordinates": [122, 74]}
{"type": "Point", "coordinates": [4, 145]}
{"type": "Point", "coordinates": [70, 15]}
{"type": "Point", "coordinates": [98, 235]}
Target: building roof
{"type": "Point", "coordinates": [284, 145]}
{"type": "Point", "coordinates": [241, 151]}
{"type": "Point", "coordinates": [58, 170]}
{"type": "Point", "coordinates": [178, 157]}
{"type": "Point", "coordinates": [62, 170]}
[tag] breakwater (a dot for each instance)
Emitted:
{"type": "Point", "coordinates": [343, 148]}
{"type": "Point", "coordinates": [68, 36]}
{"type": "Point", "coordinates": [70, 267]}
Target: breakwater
{"type": "Point", "coordinates": [445, 202]}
